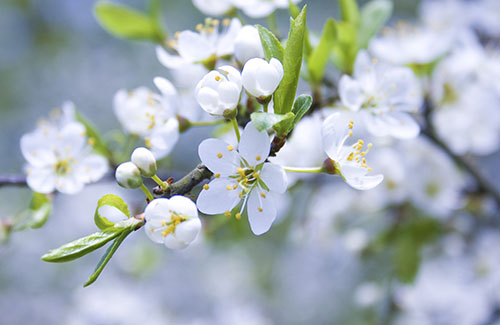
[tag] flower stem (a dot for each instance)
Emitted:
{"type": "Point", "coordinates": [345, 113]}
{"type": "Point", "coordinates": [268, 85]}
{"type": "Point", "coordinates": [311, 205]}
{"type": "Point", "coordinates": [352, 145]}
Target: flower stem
{"type": "Point", "coordinates": [147, 192]}
{"type": "Point", "coordinates": [158, 181]}
{"type": "Point", "coordinates": [310, 170]}
{"type": "Point", "coordinates": [207, 123]}
{"type": "Point", "coordinates": [266, 105]}
{"type": "Point", "coordinates": [236, 129]}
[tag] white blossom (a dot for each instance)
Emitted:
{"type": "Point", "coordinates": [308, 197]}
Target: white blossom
{"type": "Point", "coordinates": [242, 174]}
{"type": "Point", "coordinates": [150, 116]}
{"type": "Point", "coordinates": [145, 161]}
{"type": "Point", "coordinates": [384, 95]}
{"type": "Point", "coordinates": [173, 222]}
{"type": "Point", "coordinates": [205, 44]}
{"type": "Point", "coordinates": [261, 78]}
{"type": "Point", "coordinates": [219, 90]}
{"type": "Point", "coordinates": [59, 155]}
{"type": "Point", "coordinates": [348, 160]}
{"type": "Point", "coordinates": [247, 44]}
{"type": "Point", "coordinates": [128, 175]}
{"type": "Point", "coordinates": [213, 7]}
{"type": "Point", "coordinates": [261, 8]}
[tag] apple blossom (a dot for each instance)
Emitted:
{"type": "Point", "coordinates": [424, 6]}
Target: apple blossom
{"type": "Point", "coordinates": [59, 156]}
{"type": "Point", "coordinates": [384, 95]}
{"type": "Point", "coordinates": [242, 175]}
{"type": "Point", "coordinates": [173, 222]}
{"type": "Point", "coordinates": [219, 90]}
{"type": "Point", "coordinates": [348, 160]}
{"type": "Point", "coordinates": [247, 44]}
{"type": "Point", "coordinates": [261, 78]}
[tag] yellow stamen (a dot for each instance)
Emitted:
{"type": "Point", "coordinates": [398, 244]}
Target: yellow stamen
{"type": "Point", "coordinates": [260, 209]}
{"type": "Point", "coordinates": [217, 175]}
{"type": "Point", "coordinates": [227, 213]}
{"type": "Point", "coordinates": [230, 148]}
{"type": "Point", "coordinates": [219, 155]}
{"type": "Point", "coordinates": [258, 158]}
{"type": "Point", "coordinates": [206, 187]}
{"type": "Point", "coordinates": [229, 187]}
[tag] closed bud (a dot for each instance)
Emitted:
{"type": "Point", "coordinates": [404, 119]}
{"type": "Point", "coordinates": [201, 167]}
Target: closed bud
{"type": "Point", "coordinates": [261, 78]}
{"type": "Point", "coordinates": [145, 161]}
{"type": "Point", "coordinates": [247, 44]}
{"type": "Point", "coordinates": [128, 175]}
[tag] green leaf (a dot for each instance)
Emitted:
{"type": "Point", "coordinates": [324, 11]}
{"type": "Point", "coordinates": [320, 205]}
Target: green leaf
{"type": "Point", "coordinates": [263, 121]}
{"type": "Point", "coordinates": [271, 45]}
{"type": "Point", "coordinates": [300, 107]}
{"type": "Point", "coordinates": [316, 63]}
{"type": "Point", "coordinates": [345, 49]}
{"type": "Point", "coordinates": [124, 22]}
{"type": "Point", "coordinates": [110, 200]}
{"type": "Point", "coordinates": [374, 15]}
{"type": "Point", "coordinates": [292, 62]}
{"type": "Point", "coordinates": [284, 126]}
{"type": "Point", "coordinates": [294, 12]}
{"type": "Point", "coordinates": [81, 246]}
{"type": "Point", "coordinates": [40, 209]}
{"type": "Point", "coordinates": [350, 11]}
{"type": "Point", "coordinates": [407, 259]}
{"type": "Point", "coordinates": [106, 257]}
{"type": "Point", "coordinates": [94, 136]}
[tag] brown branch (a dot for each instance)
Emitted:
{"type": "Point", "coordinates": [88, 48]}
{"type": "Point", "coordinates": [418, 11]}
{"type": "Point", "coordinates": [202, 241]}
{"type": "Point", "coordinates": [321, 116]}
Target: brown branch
{"type": "Point", "coordinates": [185, 184]}
{"type": "Point", "coordinates": [12, 180]}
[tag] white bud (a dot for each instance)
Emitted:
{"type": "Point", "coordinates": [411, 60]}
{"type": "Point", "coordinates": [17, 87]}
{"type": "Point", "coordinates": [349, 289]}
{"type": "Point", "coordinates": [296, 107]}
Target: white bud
{"type": "Point", "coordinates": [247, 44]}
{"type": "Point", "coordinates": [173, 222]}
{"type": "Point", "coordinates": [145, 161]}
{"type": "Point", "coordinates": [128, 175]}
{"type": "Point", "coordinates": [261, 78]}
{"type": "Point", "coordinates": [219, 90]}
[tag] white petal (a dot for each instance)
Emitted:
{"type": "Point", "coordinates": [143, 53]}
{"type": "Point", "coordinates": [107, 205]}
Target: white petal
{"type": "Point", "coordinates": [261, 211]}
{"type": "Point", "coordinates": [258, 9]}
{"type": "Point", "coordinates": [268, 79]}
{"type": "Point", "coordinates": [218, 199]}
{"type": "Point", "coordinates": [229, 95]}
{"type": "Point", "coordinates": [183, 206]}
{"type": "Point", "coordinates": [254, 146]}
{"type": "Point", "coordinates": [193, 47]}
{"type": "Point", "coordinates": [158, 209]}
{"type": "Point", "coordinates": [276, 64]}
{"type": "Point", "coordinates": [226, 42]}
{"type": "Point", "coordinates": [164, 138]}
{"type": "Point", "coordinates": [41, 180]}
{"type": "Point", "coordinates": [91, 168]}
{"type": "Point", "coordinates": [333, 132]}
{"type": "Point", "coordinates": [403, 126]}
{"type": "Point", "coordinates": [350, 93]}
{"type": "Point", "coordinates": [249, 76]}
{"type": "Point", "coordinates": [219, 157]}
{"type": "Point", "coordinates": [187, 231]}
{"type": "Point", "coordinates": [173, 243]}
{"type": "Point", "coordinates": [208, 99]}
{"type": "Point", "coordinates": [36, 149]}
{"type": "Point", "coordinates": [165, 86]}
{"type": "Point", "coordinates": [274, 177]}
{"type": "Point", "coordinates": [153, 234]}
{"type": "Point", "coordinates": [68, 184]}
{"type": "Point", "coordinates": [365, 182]}
{"type": "Point", "coordinates": [168, 60]}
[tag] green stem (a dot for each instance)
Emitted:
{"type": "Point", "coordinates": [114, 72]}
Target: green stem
{"type": "Point", "coordinates": [207, 123]}
{"type": "Point", "coordinates": [310, 170]}
{"type": "Point", "coordinates": [158, 181]}
{"type": "Point", "coordinates": [147, 192]}
{"type": "Point", "coordinates": [266, 105]}
{"type": "Point", "coordinates": [236, 129]}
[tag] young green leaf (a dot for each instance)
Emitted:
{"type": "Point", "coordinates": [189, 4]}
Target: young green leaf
{"type": "Point", "coordinates": [124, 22]}
{"type": "Point", "coordinates": [40, 209]}
{"type": "Point", "coordinates": [284, 126]}
{"type": "Point", "coordinates": [292, 62]}
{"type": "Point", "coordinates": [271, 45]}
{"type": "Point", "coordinates": [300, 107]}
{"type": "Point", "coordinates": [294, 12]}
{"type": "Point", "coordinates": [81, 246]}
{"type": "Point", "coordinates": [345, 49]}
{"type": "Point", "coordinates": [263, 121]}
{"type": "Point", "coordinates": [94, 136]}
{"type": "Point", "coordinates": [106, 257]}
{"type": "Point", "coordinates": [316, 63]}
{"type": "Point", "coordinates": [109, 200]}
{"type": "Point", "coordinates": [374, 15]}
{"type": "Point", "coordinates": [350, 12]}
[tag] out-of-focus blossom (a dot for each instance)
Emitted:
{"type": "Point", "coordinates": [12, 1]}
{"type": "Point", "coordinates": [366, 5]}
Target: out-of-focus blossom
{"type": "Point", "coordinates": [150, 116]}
{"type": "Point", "coordinates": [486, 15]}
{"type": "Point", "coordinates": [213, 7]}
{"type": "Point", "coordinates": [261, 78]}
{"type": "Point", "coordinates": [59, 155]}
{"type": "Point", "coordinates": [247, 44]}
{"type": "Point", "coordinates": [219, 90]}
{"type": "Point", "coordinates": [240, 175]}
{"type": "Point", "coordinates": [205, 44]}
{"type": "Point", "coordinates": [384, 95]}
{"type": "Point", "coordinates": [173, 222]}
{"type": "Point", "coordinates": [261, 8]}
{"type": "Point", "coordinates": [348, 161]}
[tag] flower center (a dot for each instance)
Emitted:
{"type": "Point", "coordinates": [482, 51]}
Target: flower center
{"type": "Point", "coordinates": [63, 167]}
{"type": "Point", "coordinates": [168, 227]}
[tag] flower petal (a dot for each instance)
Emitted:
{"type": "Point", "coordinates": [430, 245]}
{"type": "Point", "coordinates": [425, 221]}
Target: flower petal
{"type": "Point", "coordinates": [168, 60]}
{"type": "Point", "coordinates": [350, 93]}
{"type": "Point", "coordinates": [334, 132]}
{"type": "Point", "coordinates": [91, 168]}
{"type": "Point", "coordinates": [220, 157]}
{"type": "Point", "coordinates": [183, 206]}
{"type": "Point", "coordinates": [173, 243]}
{"type": "Point", "coordinates": [68, 184]}
{"type": "Point", "coordinates": [36, 149]}
{"type": "Point", "coordinates": [164, 138]}
{"type": "Point", "coordinates": [261, 211]}
{"type": "Point", "coordinates": [254, 146]}
{"type": "Point", "coordinates": [42, 180]}
{"type": "Point", "coordinates": [193, 47]}
{"type": "Point", "coordinates": [187, 231]}
{"type": "Point", "coordinates": [365, 182]}
{"type": "Point", "coordinates": [274, 177]}
{"type": "Point", "coordinates": [218, 199]}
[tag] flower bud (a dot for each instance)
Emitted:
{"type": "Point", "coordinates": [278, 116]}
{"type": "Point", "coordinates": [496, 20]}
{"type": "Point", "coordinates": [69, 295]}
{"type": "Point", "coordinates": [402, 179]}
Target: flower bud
{"type": "Point", "coordinates": [219, 90]}
{"type": "Point", "coordinates": [145, 161]}
{"type": "Point", "coordinates": [261, 78]}
{"type": "Point", "coordinates": [247, 44]}
{"type": "Point", "coordinates": [128, 175]}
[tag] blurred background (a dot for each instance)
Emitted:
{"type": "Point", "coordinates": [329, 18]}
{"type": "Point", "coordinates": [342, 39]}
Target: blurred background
{"type": "Point", "coordinates": [52, 51]}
